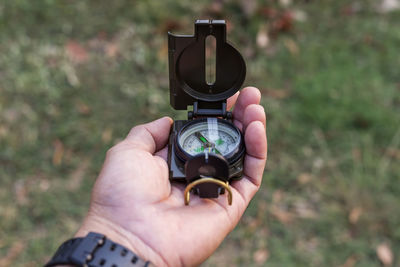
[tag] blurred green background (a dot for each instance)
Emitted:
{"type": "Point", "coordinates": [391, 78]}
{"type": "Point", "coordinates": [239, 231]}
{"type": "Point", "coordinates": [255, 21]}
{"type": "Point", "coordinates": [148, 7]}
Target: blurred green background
{"type": "Point", "coordinates": [75, 76]}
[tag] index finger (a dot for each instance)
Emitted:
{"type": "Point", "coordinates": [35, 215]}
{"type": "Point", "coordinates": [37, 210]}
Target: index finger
{"type": "Point", "coordinates": [249, 95]}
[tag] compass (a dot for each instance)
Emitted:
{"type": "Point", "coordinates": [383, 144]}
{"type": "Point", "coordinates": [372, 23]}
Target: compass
{"type": "Point", "coordinates": [206, 151]}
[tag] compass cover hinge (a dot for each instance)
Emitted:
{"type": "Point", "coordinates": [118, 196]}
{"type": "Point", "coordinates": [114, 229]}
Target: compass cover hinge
{"type": "Point", "coordinates": [202, 109]}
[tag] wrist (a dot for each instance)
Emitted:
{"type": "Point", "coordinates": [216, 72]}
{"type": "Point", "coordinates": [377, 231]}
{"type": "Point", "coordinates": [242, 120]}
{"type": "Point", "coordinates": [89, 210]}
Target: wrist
{"type": "Point", "coordinates": [95, 250]}
{"type": "Point", "coordinates": [117, 234]}
{"type": "Point", "coordinates": [99, 225]}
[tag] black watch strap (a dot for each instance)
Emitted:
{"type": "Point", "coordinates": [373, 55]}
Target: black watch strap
{"type": "Point", "coordinates": [95, 250]}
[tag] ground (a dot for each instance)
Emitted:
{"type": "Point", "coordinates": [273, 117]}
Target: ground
{"type": "Point", "coordinates": [75, 76]}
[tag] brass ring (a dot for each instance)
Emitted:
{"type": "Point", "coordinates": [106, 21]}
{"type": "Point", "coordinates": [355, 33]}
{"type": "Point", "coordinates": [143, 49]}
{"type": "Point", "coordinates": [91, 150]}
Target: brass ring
{"type": "Point", "coordinates": [207, 180]}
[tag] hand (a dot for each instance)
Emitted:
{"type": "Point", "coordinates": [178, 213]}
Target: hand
{"type": "Point", "coordinates": [134, 204]}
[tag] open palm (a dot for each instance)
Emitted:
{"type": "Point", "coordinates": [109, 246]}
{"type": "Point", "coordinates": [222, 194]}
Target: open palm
{"type": "Point", "coordinates": [133, 202]}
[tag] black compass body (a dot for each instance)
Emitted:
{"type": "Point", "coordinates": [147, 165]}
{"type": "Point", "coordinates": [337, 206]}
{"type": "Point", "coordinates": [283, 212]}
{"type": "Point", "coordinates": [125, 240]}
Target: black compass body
{"type": "Point", "coordinates": [206, 151]}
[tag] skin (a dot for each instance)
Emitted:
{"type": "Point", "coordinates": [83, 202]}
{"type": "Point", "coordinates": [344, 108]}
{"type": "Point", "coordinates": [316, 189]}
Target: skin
{"type": "Point", "coordinates": [134, 204]}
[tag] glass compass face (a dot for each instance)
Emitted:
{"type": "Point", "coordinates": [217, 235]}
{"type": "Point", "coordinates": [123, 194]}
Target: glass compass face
{"type": "Point", "coordinates": [210, 135]}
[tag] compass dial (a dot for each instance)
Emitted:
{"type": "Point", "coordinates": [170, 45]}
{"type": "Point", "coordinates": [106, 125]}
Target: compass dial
{"type": "Point", "coordinates": [212, 136]}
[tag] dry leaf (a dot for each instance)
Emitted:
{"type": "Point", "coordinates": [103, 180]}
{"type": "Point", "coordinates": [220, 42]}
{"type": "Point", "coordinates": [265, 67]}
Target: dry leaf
{"type": "Point", "coordinates": [393, 153]}
{"type": "Point", "coordinates": [277, 196]}
{"type": "Point", "coordinates": [291, 46]}
{"type": "Point", "coordinates": [76, 52]}
{"type": "Point", "coordinates": [268, 12]}
{"type": "Point", "coordinates": [163, 52]}
{"type": "Point", "coordinates": [77, 175]}
{"type": "Point", "coordinates": [111, 49]}
{"type": "Point", "coordinates": [299, 15]}
{"type": "Point", "coordinates": [3, 131]}
{"type": "Point", "coordinates": [284, 23]}
{"type": "Point", "coordinates": [12, 254]}
{"type": "Point", "coordinates": [248, 6]}
{"type": "Point", "coordinates": [262, 38]}
{"type": "Point", "coordinates": [21, 192]}
{"type": "Point", "coordinates": [304, 178]}
{"type": "Point", "coordinates": [83, 108]}
{"type": "Point", "coordinates": [309, 245]}
{"type": "Point", "coordinates": [275, 93]}
{"type": "Point", "coordinates": [106, 135]}
{"type": "Point", "coordinates": [356, 153]}
{"type": "Point", "coordinates": [170, 25]}
{"type": "Point", "coordinates": [389, 5]}
{"type": "Point", "coordinates": [11, 114]}
{"type": "Point", "coordinates": [318, 163]}
{"type": "Point", "coordinates": [260, 256]}
{"type": "Point", "coordinates": [283, 216]}
{"type": "Point", "coordinates": [350, 9]}
{"type": "Point", "coordinates": [229, 26]}
{"type": "Point", "coordinates": [216, 8]}
{"type": "Point", "coordinates": [354, 215]}
{"type": "Point", "coordinates": [385, 254]}
{"type": "Point", "coordinates": [304, 210]}
{"type": "Point", "coordinates": [350, 262]}
{"type": "Point", "coordinates": [58, 152]}
{"type": "Point", "coordinates": [44, 185]}
{"type": "Point", "coordinates": [285, 3]}
{"type": "Point", "coordinates": [70, 72]}
{"type": "Point", "coordinates": [253, 223]}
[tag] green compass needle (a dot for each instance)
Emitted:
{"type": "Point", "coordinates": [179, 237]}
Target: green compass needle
{"type": "Point", "coordinates": [219, 141]}
{"type": "Point", "coordinates": [207, 143]}
{"type": "Point", "coordinates": [203, 139]}
{"type": "Point", "coordinates": [199, 149]}
{"type": "Point", "coordinates": [217, 151]}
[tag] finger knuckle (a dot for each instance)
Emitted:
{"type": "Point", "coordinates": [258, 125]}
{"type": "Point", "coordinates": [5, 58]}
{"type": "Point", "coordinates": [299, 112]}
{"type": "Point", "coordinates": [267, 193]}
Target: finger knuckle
{"type": "Point", "coordinates": [115, 148]}
{"type": "Point", "coordinates": [137, 130]}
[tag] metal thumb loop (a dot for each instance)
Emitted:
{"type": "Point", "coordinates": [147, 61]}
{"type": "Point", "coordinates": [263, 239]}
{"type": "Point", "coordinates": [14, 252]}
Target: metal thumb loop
{"type": "Point", "coordinates": [207, 180]}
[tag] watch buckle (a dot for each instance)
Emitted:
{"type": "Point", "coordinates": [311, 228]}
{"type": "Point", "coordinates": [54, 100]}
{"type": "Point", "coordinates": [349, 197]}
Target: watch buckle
{"type": "Point", "coordinates": [86, 248]}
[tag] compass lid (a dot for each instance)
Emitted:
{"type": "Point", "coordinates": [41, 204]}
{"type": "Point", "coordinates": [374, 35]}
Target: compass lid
{"type": "Point", "coordinates": [187, 66]}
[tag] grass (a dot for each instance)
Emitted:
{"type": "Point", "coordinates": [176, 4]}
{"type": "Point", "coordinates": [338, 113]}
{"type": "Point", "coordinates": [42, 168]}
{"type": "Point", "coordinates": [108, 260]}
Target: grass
{"type": "Point", "coordinates": [75, 76]}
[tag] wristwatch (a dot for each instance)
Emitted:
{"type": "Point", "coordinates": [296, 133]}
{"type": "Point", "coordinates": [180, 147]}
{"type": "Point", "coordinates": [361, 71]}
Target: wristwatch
{"type": "Point", "coordinates": [95, 250]}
